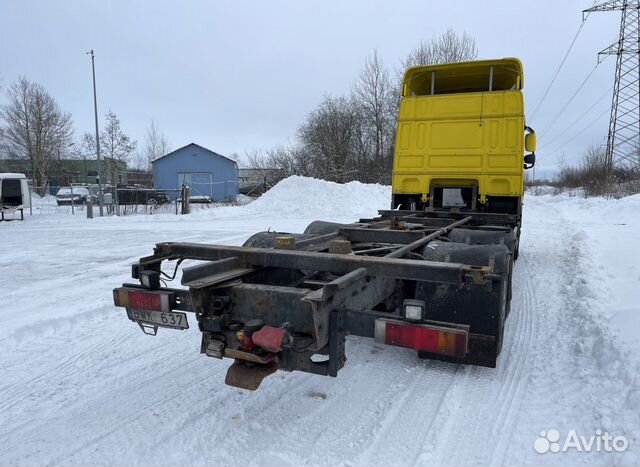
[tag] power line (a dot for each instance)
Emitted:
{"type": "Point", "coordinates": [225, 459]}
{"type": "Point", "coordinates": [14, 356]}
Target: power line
{"type": "Point", "coordinates": [564, 59]}
{"type": "Point", "coordinates": [559, 114]}
{"type": "Point", "coordinates": [579, 119]}
{"type": "Point", "coordinates": [606, 111]}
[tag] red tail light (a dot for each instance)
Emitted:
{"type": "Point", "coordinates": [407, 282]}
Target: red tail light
{"type": "Point", "coordinates": [143, 299]}
{"type": "Point", "coordinates": [443, 340]}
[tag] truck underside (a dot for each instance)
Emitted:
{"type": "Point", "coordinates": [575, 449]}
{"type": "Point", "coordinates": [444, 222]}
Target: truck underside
{"type": "Point", "coordinates": [436, 281]}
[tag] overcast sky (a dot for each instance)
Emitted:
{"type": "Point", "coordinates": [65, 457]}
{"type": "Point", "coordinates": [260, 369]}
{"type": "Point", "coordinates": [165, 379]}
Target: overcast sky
{"type": "Point", "coordinates": [238, 75]}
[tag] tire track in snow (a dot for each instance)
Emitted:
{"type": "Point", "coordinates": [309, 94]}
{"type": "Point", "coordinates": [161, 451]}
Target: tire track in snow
{"type": "Point", "coordinates": [297, 415]}
{"type": "Point", "coordinates": [132, 411]}
{"type": "Point", "coordinates": [392, 443]}
{"type": "Point", "coordinates": [15, 393]}
{"type": "Point", "coordinates": [511, 399]}
{"type": "Point", "coordinates": [473, 406]}
{"type": "Point", "coordinates": [129, 406]}
{"type": "Point", "coordinates": [415, 381]}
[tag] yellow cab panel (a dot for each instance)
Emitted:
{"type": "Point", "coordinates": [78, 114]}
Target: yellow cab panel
{"type": "Point", "coordinates": [461, 125]}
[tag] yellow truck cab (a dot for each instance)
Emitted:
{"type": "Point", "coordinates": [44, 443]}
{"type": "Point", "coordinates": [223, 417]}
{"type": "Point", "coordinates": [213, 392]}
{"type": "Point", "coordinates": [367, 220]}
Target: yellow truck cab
{"type": "Point", "coordinates": [462, 137]}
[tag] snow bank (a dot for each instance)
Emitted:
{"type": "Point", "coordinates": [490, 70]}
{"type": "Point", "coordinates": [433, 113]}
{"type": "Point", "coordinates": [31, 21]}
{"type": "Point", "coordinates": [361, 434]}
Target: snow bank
{"type": "Point", "coordinates": [611, 230]}
{"type": "Point", "coordinates": [303, 196]}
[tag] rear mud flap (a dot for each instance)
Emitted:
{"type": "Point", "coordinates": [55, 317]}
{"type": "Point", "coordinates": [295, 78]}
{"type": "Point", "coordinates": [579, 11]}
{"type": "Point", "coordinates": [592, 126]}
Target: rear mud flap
{"type": "Point", "coordinates": [248, 375]}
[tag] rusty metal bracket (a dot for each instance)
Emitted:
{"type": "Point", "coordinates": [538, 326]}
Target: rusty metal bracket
{"type": "Point", "coordinates": [249, 376]}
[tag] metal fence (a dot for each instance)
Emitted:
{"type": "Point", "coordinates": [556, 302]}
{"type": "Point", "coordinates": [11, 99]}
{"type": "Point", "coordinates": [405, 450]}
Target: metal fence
{"type": "Point", "coordinates": [79, 199]}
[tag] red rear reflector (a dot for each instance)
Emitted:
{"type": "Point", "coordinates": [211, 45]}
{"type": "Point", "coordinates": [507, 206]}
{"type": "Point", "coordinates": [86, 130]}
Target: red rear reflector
{"type": "Point", "coordinates": [143, 300]}
{"type": "Point", "coordinates": [436, 339]}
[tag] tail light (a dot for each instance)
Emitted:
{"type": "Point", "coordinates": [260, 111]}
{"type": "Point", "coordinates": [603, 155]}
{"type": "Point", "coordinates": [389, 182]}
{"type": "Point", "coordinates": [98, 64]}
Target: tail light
{"type": "Point", "coordinates": [144, 299]}
{"type": "Point", "coordinates": [438, 339]}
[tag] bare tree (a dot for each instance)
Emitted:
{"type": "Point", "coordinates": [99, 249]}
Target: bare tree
{"type": "Point", "coordinates": [374, 98]}
{"type": "Point", "coordinates": [327, 137]}
{"type": "Point", "coordinates": [234, 156]}
{"type": "Point", "coordinates": [155, 144]}
{"type": "Point", "coordinates": [35, 128]}
{"type": "Point", "coordinates": [85, 148]}
{"type": "Point", "coordinates": [447, 47]}
{"type": "Point", "coordinates": [3, 145]}
{"type": "Point", "coordinates": [292, 160]}
{"type": "Point", "coordinates": [352, 138]}
{"type": "Point", "coordinates": [116, 145]}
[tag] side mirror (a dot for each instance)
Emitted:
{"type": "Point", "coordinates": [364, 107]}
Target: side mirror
{"type": "Point", "coordinates": [530, 142]}
{"type": "Point", "coordinates": [529, 160]}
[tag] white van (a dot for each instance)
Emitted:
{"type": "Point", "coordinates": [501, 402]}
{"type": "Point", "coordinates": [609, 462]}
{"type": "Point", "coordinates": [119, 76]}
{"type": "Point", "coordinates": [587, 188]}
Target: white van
{"type": "Point", "coordinates": [14, 194]}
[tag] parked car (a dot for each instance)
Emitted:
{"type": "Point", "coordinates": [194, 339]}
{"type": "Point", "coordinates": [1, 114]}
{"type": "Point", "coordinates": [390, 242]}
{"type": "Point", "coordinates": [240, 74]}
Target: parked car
{"type": "Point", "coordinates": [138, 195]}
{"type": "Point", "coordinates": [76, 195]}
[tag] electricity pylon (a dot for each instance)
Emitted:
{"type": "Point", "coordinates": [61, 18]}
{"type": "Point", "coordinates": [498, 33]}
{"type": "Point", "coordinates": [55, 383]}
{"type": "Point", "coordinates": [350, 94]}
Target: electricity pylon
{"type": "Point", "coordinates": [623, 141]}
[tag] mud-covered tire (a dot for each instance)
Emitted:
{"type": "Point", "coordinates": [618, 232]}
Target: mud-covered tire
{"type": "Point", "coordinates": [481, 306]}
{"type": "Point", "coordinates": [263, 240]}
{"type": "Point", "coordinates": [485, 237]}
{"type": "Point", "coordinates": [323, 227]}
{"type": "Point", "coordinates": [509, 289]}
{"type": "Point", "coordinates": [268, 239]}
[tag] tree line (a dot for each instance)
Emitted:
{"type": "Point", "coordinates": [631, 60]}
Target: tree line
{"type": "Point", "coordinates": [33, 127]}
{"type": "Point", "coordinates": [349, 137]}
{"type": "Point", "coordinates": [352, 137]}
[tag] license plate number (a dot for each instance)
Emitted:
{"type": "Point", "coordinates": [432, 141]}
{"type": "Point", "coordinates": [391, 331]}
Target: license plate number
{"type": "Point", "coordinates": [165, 319]}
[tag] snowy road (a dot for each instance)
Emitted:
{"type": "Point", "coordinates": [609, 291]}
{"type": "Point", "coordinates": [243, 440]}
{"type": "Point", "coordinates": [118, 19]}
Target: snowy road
{"type": "Point", "coordinates": [81, 385]}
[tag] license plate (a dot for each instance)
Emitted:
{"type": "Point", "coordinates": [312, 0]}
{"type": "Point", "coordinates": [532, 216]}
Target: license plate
{"type": "Point", "coordinates": [452, 198]}
{"type": "Point", "coordinates": [165, 319]}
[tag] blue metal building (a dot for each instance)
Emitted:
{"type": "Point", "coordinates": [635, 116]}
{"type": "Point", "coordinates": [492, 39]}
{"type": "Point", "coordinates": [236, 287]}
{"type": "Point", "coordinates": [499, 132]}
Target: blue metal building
{"type": "Point", "coordinates": [208, 173]}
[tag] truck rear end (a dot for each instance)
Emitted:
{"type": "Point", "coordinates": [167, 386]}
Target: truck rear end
{"type": "Point", "coordinates": [462, 137]}
{"type": "Point", "coordinates": [433, 274]}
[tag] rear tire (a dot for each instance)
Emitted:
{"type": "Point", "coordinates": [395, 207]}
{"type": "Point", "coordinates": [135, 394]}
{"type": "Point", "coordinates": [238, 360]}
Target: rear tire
{"type": "Point", "coordinates": [509, 288]}
{"type": "Point", "coordinates": [323, 227]}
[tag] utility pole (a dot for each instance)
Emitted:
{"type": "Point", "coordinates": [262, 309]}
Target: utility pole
{"type": "Point", "coordinates": [95, 109]}
{"type": "Point", "coordinates": [623, 140]}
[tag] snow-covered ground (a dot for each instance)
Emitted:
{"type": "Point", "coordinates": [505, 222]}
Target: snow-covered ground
{"type": "Point", "coordinates": [81, 385]}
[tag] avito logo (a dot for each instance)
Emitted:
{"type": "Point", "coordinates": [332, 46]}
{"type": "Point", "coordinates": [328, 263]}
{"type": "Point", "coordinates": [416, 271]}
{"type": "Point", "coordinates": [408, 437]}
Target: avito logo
{"type": "Point", "coordinates": [549, 441]}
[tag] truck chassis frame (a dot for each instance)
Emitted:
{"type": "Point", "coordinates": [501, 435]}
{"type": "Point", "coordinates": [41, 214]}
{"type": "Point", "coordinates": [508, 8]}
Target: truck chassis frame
{"type": "Point", "coordinates": [287, 301]}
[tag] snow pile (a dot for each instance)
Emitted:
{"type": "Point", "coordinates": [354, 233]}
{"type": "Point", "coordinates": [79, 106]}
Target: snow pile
{"type": "Point", "coordinates": [310, 198]}
{"type": "Point", "coordinates": [611, 230]}
{"type": "Point", "coordinates": [304, 196]}
{"type": "Point", "coordinates": [243, 199]}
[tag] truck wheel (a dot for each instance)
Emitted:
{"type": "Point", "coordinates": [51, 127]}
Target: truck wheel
{"type": "Point", "coordinates": [262, 240]}
{"type": "Point", "coordinates": [268, 239]}
{"type": "Point", "coordinates": [480, 237]}
{"type": "Point", "coordinates": [323, 227]}
{"type": "Point", "coordinates": [509, 288]}
{"type": "Point", "coordinates": [484, 309]}
{"type": "Point", "coordinates": [500, 335]}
